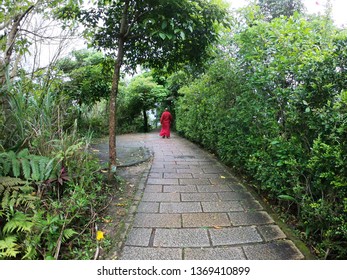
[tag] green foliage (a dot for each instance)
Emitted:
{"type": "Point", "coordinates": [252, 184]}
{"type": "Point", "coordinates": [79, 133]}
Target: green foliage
{"type": "Point", "coordinates": [29, 167]}
{"type": "Point", "coordinates": [37, 225]}
{"type": "Point", "coordinates": [277, 112]}
{"type": "Point", "coordinates": [140, 96]}
{"type": "Point", "coordinates": [88, 79]}
{"type": "Point", "coordinates": [177, 31]}
{"type": "Point", "coordinates": [275, 8]}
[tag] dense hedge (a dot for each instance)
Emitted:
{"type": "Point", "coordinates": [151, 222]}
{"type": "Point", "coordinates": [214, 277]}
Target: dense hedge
{"type": "Point", "coordinates": [274, 106]}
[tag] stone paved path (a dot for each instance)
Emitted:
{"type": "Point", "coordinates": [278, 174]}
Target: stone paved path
{"type": "Point", "coordinates": [193, 208]}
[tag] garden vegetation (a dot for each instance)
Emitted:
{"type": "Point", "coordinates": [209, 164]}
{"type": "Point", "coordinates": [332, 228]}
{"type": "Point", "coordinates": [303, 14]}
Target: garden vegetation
{"type": "Point", "coordinates": [269, 98]}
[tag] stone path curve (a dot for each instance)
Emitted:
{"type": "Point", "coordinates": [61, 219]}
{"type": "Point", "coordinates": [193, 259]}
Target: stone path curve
{"type": "Point", "coordinates": [192, 207]}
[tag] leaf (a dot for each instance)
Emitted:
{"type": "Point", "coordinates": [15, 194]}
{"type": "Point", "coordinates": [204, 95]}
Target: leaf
{"type": "Point", "coordinates": [8, 247]}
{"type": "Point", "coordinates": [49, 168]}
{"type": "Point", "coordinates": [23, 153]}
{"type": "Point", "coordinates": [15, 167]}
{"type": "Point", "coordinates": [19, 222]}
{"type": "Point", "coordinates": [162, 35]}
{"type": "Point", "coordinates": [35, 170]}
{"type": "Point", "coordinates": [68, 233]}
{"type": "Point", "coordinates": [286, 197]}
{"type": "Point", "coordinates": [26, 168]}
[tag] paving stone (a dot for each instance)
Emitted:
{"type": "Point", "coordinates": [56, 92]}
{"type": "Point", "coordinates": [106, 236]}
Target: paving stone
{"type": "Point", "coordinates": [237, 187]}
{"type": "Point", "coordinates": [153, 189]}
{"type": "Point", "coordinates": [250, 218]}
{"type": "Point", "coordinates": [271, 232]}
{"type": "Point", "coordinates": [161, 197]}
{"type": "Point", "coordinates": [234, 236]}
{"type": "Point", "coordinates": [194, 181]}
{"type": "Point", "coordinates": [218, 253]}
{"type": "Point", "coordinates": [181, 238]}
{"type": "Point", "coordinates": [212, 170]}
{"type": "Point", "coordinates": [162, 170]}
{"type": "Point", "coordinates": [163, 160]}
{"type": "Point", "coordinates": [158, 165]}
{"type": "Point", "coordinates": [139, 237]}
{"type": "Point", "coordinates": [176, 166]}
{"type": "Point", "coordinates": [221, 206]}
{"type": "Point", "coordinates": [180, 207]}
{"type": "Point", "coordinates": [157, 175]}
{"type": "Point", "coordinates": [191, 170]}
{"type": "Point", "coordinates": [235, 196]}
{"type": "Point", "coordinates": [176, 189]}
{"type": "Point", "coordinates": [205, 176]}
{"type": "Point", "coordinates": [177, 175]}
{"type": "Point", "coordinates": [141, 253]}
{"type": "Point", "coordinates": [278, 250]}
{"type": "Point", "coordinates": [213, 188]}
{"type": "Point", "coordinates": [199, 197]}
{"type": "Point", "coordinates": [250, 204]}
{"type": "Point", "coordinates": [149, 220]}
{"type": "Point", "coordinates": [205, 220]}
{"type": "Point", "coordinates": [148, 207]}
{"type": "Point", "coordinates": [221, 181]}
{"type": "Point", "coordinates": [156, 181]}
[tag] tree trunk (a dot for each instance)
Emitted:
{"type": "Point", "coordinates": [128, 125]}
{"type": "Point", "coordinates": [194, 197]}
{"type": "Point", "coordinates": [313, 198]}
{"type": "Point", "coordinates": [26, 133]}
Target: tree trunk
{"type": "Point", "coordinates": [114, 91]}
{"type": "Point", "coordinates": [145, 121]}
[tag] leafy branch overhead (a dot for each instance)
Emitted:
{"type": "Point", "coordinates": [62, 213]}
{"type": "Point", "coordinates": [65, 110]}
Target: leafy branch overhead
{"type": "Point", "coordinates": [153, 33]}
{"type": "Point", "coordinates": [156, 32]}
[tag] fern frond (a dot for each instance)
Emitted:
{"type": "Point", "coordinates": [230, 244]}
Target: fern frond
{"type": "Point", "coordinates": [26, 168]}
{"type": "Point", "coordinates": [30, 253]}
{"type": "Point", "coordinates": [16, 167]}
{"type": "Point", "coordinates": [9, 247]}
{"type": "Point", "coordinates": [11, 155]}
{"type": "Point", "coordinates": [43, 161]}
{"type": "Point", "coordinates": [35, 170]}
{"type": "Point", "coordinates": [49, 169]}
{"type": "Point", "coordinates": [9, 182]}
{"type": "Point", "coordinates": [68, 233]}
{"type": "Point", "coordinates": [23, 153]}
{"type": "Point", "coordinates": [19, 222]}
{"type": "Point", "coordinates": [5, 164]}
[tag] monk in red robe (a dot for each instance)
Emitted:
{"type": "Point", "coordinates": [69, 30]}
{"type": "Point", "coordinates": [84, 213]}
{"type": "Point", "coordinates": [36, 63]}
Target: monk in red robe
{"type": "Point", "coordinates": [165, 120]}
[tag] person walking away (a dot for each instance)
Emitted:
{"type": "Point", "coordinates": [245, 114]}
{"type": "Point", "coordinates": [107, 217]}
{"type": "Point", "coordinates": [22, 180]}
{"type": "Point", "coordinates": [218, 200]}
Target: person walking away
{"type": "Point", "coordinates": [165, 120]}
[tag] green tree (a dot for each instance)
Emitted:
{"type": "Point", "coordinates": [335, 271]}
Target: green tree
{"type": "Point", "coordinates": [276, 8]}
{"type": "Point", "coordinates": [155, 33]}
{"type": "Point", "coordinates": [144, 94]}
{"type": "Point", "coordinates": [88, 77]}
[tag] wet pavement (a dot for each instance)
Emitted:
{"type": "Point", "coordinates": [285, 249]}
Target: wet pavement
{"type": "Point", "coordinates": [190, 206]}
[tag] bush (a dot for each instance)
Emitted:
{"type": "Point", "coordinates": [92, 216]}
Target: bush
{"type": "Point", "coordinates": [277, 113]}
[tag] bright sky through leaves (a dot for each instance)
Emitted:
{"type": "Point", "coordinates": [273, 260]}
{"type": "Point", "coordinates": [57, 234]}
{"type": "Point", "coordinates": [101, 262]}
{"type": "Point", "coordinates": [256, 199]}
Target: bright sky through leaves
{"type": "Point", "coordinates": [313, 6]}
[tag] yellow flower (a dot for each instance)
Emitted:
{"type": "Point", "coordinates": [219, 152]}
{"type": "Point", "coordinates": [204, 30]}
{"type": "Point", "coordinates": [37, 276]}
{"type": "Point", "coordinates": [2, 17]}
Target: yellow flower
{"type": "Point", "coordinates": [223, 177]}
{"type": "Point", "coordinates": [99, 235]}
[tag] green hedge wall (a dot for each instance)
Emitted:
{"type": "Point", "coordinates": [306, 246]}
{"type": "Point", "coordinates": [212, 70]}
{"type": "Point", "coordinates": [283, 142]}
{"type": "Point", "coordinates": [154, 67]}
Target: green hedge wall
{"type": "Point", "coordinates": [274, 106]}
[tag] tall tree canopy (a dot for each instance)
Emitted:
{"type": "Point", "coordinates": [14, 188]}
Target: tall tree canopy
{"type": "Point", "coordinates": [155, 33]}
{"type": "Point", "coordinates": [276, 8]}
{"type": "Point", "coordinates": [88, 77]}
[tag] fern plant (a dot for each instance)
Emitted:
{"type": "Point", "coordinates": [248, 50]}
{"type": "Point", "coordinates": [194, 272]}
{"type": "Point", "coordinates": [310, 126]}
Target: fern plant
{"type": "Point", "coordinates": [17, 204]}
{"type": "Point", "coordinates": [24, 229]}
{"type": "Point", "coordinates": [27, 166]}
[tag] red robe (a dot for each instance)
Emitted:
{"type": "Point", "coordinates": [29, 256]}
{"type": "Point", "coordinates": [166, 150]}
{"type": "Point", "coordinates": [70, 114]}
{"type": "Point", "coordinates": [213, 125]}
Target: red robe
{"type": "Point", "coordinates": [165, 121]}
